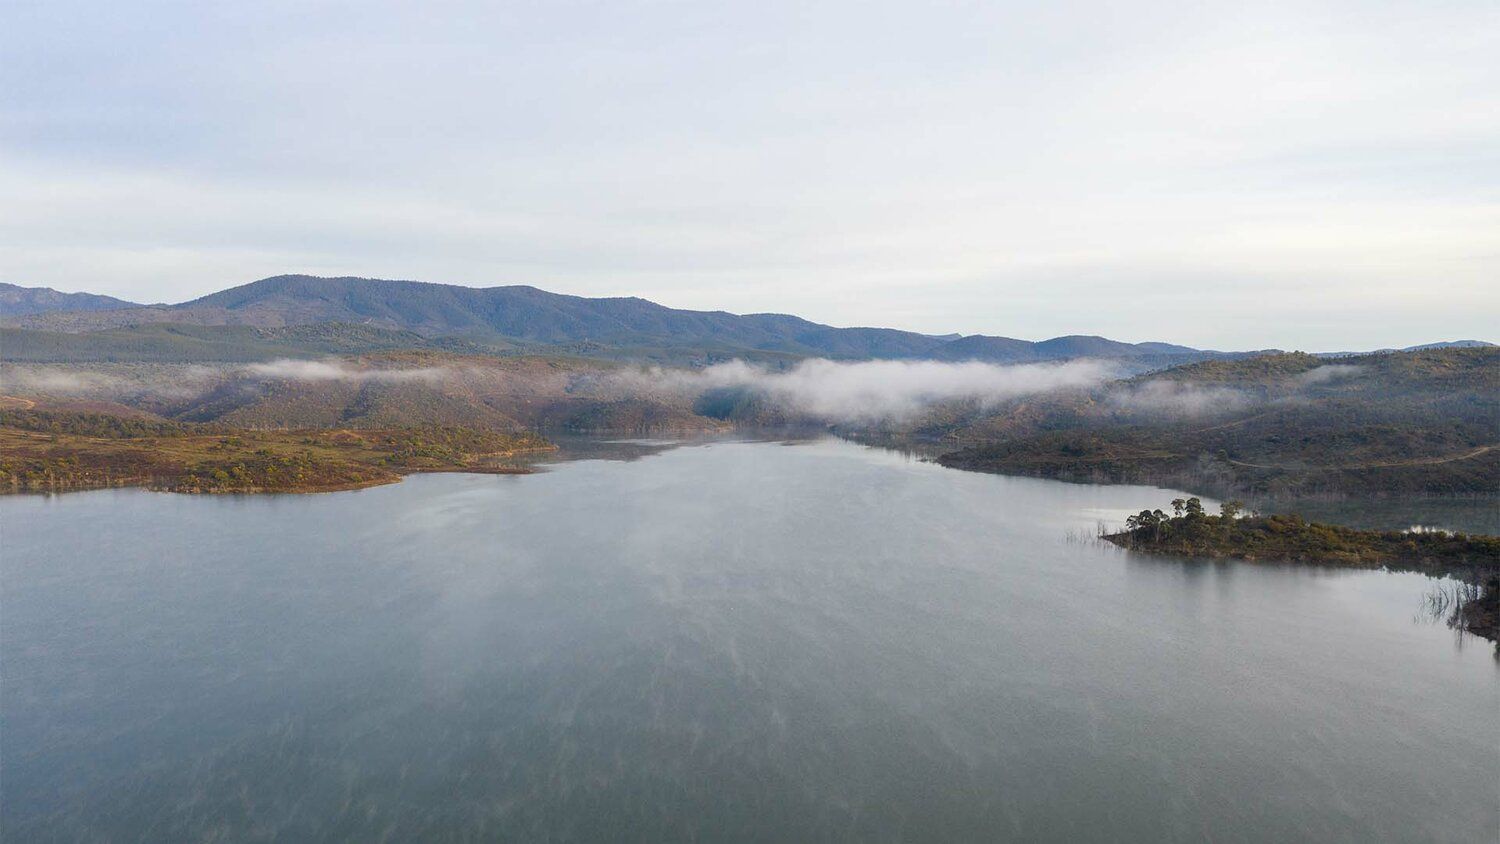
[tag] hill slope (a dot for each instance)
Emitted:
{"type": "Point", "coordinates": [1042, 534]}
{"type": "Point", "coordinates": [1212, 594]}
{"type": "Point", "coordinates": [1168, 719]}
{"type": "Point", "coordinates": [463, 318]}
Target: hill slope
{"type": "Point", "coordinates": [165, 342]}
{"type": "Point", "coordinates": [532, 316]}
{"type": "Point", "coordinates": [25, 301]}
{"type": "Point", "coordinates": [1281, 425]}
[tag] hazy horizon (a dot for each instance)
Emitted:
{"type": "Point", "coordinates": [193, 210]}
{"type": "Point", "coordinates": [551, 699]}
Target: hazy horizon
{"type": "Point", "coordinates": [1316, 176]}
{"type": "Point", "coordinates": [1143, 339]}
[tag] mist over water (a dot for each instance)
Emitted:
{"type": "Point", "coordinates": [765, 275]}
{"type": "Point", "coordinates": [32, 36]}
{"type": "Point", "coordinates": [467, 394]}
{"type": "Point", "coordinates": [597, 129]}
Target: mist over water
{"type": "Point", "coordinates": [837, 391]}
{"type": "Point", "coordinates": [766, 641]}
{"type": "Point", "coordinates": [866, 390]}
{"type": "Point", "coordinates": [816, 389]}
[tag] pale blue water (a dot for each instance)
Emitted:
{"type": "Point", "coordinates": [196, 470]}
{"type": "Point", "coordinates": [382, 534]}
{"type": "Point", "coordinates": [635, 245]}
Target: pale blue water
{"type": "Point", "coordinates": [737, 641]}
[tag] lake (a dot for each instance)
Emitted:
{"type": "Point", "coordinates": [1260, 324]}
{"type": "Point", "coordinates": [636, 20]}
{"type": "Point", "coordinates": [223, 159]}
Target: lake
{"type": "Point", "coordinates": [727, 640]}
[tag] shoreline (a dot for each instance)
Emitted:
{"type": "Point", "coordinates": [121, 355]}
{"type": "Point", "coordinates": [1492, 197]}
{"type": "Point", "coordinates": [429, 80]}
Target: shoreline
{"type": "Point", "coordinates": [1470, 559]}
{"type": "Point", "coordinates": [249, 461]}
{"type": "Point", "coordinates": [397, 476]}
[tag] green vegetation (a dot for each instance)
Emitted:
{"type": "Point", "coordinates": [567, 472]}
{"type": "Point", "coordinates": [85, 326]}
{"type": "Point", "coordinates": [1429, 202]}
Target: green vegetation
{"type": "Point", "coordinates": [23, 301]}
{"type": "Point", "coordinates": [57, 452]}
{"type": "Point", "coordinates": [441, 447]}
{"type": "Point", "coordinates": [1190, 531]}
{"type": "Point", "coordinates": [102, 425]}
{"type": "Point", "coordinates": [525, 316]}
{"type": "Point", "coordinates": [390, 389]}
{"type": "Point", "coordinates": [173, 343]}
{"type": "Point", "coordinates": [1265, 370]}
{"type": "Point", "coordinates": [1444, 459]}
{"type": "Point", "coordinates": [1277, 426]}
{"type": "Point", "coordinates": [267, 471]}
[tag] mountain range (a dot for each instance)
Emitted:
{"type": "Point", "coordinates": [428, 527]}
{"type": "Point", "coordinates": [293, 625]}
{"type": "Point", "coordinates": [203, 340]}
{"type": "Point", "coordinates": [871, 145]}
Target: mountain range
{"type": "Point", "coordinates": [26, 301]}
{"type": "Point", "coordinates": [252, 320]}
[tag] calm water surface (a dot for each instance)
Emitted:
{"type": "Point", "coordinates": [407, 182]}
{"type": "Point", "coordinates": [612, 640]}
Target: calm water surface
{"type": "Point", "coordinates": [738, 640]}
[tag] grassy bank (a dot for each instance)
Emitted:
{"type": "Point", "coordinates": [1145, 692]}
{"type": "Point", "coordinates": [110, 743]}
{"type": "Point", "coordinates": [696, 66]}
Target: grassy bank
{"type": "Point", "coordinates": [43, 452]}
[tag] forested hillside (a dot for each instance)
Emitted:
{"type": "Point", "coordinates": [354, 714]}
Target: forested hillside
{"type": "Point", "coordinates": [17, 301]}
{"type": "Point", "coordinates": [1401, 423]}
{"type": "Point", "coordinates": [299, 351]}
{"type": "Point", "coordinates": [388, 389]}
{"type": "Point", "coordinates": [62, 452]}
{"type": "Point", "coordinates": [507, 317]}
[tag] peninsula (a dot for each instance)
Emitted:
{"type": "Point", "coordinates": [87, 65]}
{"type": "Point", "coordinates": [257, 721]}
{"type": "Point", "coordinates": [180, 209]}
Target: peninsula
{"type": "Point", "coordinates": [1190, 531]}
{"type": "Point", "coordinates": [44, 451]}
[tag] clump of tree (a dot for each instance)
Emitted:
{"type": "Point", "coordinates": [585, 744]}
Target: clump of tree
{"type": "Point", "coordinates": [1187, 516]}
{"type": "Point", "coordinates": [102, 425]}
{"type": "Point", "coordinates": [1410, 423]}
{"type": "Point", "coordinates": [437, 446]}
{"type": "Point", "coordinates": [266, 471]}
{"type": "Point", "coordinates": [61, 467]}
{"type": "Point", "coordinates": [94, 453]}
{"type": "Point", "coordinates": [1473, 559]}
{"type": "Point", "coordinates": [1191, 530]}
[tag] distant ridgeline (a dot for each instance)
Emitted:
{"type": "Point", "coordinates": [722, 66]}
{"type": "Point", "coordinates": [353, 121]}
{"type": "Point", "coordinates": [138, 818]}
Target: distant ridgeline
{"type": "Point", "coordinates": [25, 301]}
{"type": "Point", "coordinates": [251, 322]}
{"type": "Point", "coordinates": [508, 359]}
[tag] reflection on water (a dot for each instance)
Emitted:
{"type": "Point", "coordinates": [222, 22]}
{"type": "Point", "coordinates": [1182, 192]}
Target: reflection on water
{"type": "Point", "coordinates": [727, 639]}
{"type": "Point", "coordinates": [574, 447]}
{"type": "Point", "coordinates": [1444, 602]}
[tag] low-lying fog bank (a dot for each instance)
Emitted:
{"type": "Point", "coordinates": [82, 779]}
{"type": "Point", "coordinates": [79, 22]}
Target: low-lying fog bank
{"type": "Point", "coordinates": [534, 391]}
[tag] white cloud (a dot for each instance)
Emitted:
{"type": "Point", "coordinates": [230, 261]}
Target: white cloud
{"type": "Point", "coordinates": [1328, 374]}
{"type": "Point", "coordinates": [872, 390]}
{"type": "Point", "coordinates": [107, 381]}
{"type": "Point", "coordinates": [1175, 399]}
{"type": "Point", "coordinates": [333, 370]}
{"type": "Point", "coordinates": [25, 379]}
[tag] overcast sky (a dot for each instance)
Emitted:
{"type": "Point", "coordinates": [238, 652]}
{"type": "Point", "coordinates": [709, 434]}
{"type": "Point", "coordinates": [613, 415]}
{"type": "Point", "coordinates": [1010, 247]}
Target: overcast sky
{"type": "Point", "coordinates": [1232, 175]}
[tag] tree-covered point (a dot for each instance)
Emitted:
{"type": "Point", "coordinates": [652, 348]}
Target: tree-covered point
{"type": "Point", "coordinates": [437, 446]}
{"type": "Point", "coordinates": [201, 459]}
{"type": "Point", "coordinates": [266, 471]}
{"type": "Point", "coordinates": [1190, 530]}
